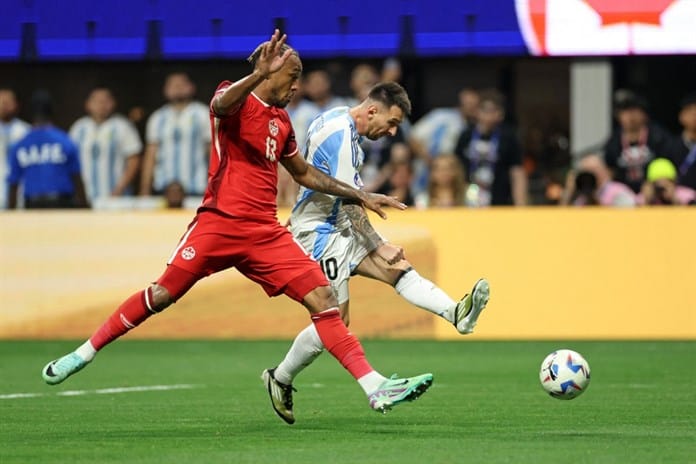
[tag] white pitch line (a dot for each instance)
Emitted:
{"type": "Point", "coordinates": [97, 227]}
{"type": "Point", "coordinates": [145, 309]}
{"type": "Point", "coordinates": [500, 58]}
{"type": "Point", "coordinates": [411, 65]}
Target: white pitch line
{"type": "Point", "coordinates": [102, 391]}
{"type": "Point", "coordinates": [72, 393]}
{"type": "Point", "coordinates": [12, 396]}
{"type": "Point", "coordinates": [108, 391]}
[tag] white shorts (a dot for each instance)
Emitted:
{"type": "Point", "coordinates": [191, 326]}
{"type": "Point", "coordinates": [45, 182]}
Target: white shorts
{"type": "Point", "coordinates": [338, 254]}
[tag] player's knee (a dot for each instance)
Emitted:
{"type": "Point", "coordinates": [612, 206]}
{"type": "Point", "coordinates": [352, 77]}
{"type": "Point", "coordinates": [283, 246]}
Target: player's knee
{"type": "Point", "coordinates": [161, 299]}
{"type": "Point", "coordinates": [327, 298]}
{"type": "Point", "coordinates": [320, 299]}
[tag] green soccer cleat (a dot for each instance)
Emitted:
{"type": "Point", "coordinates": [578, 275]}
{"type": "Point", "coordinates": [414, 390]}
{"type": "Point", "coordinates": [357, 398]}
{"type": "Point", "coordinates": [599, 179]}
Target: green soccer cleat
{"type": "Point", "coordinates": [394, 391]}
{"type": "Point", "coordinates": [467, 311]}
{"type": "Point", "coordinates": [280, 394]}
{"type": "Point", "coordinates": [60, 369]}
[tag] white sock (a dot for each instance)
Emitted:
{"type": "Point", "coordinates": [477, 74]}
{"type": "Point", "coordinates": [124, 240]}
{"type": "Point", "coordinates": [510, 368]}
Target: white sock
{"type": "Point", "coordinates": [304, 350]}
{"type": "Point", "coordinates": [423, 293]}
{"type": "Point", "coordinates": [371, 382]}
{"type": "Point", "coordinates": [86, 351]}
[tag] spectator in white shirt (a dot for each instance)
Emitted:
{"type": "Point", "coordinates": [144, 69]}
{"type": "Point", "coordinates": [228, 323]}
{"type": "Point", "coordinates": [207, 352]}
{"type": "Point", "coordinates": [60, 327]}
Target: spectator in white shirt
{"type": "Point", "coordinates": [110, 147]}
{"type": "Point", "coordinates": [178, 140]}
{"type": "Point", "coordinates": [12, 129]}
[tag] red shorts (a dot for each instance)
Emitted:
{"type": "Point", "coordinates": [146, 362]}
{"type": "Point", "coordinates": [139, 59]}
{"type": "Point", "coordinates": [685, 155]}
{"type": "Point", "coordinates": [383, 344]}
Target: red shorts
{"type": "Point", "coordinates": [265, 252]}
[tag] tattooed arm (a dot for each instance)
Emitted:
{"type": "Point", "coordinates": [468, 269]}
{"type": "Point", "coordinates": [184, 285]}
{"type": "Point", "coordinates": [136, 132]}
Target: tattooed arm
{"type": "Point", "coordinates": [361, 223]}
{"type": "Point", "coordinates": [392, 254]}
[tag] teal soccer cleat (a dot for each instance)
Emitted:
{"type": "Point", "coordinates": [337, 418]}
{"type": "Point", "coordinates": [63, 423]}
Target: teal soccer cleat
{"type": "Point", "coordinates": [60, 369]}
{"type": "Point", "coordinates": [394, 391]}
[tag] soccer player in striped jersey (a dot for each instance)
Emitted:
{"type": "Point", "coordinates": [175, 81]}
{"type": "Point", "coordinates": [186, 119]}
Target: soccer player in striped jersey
{"type": "Point", "coordinates": [237, 226]}
{"type": "Point", "coordinates": [12, 130]}
{"type": "Point", "coordinates": [109, 145]}
{"type": "Point", "coordinates": [340, 237]}
{"type": "Point", "coordinates": [178, 141]}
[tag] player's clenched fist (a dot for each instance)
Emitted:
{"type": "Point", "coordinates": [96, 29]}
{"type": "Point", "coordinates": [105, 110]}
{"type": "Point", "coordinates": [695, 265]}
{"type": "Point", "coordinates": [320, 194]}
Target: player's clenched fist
{"type": "Point", "coordinates": [390, 253]}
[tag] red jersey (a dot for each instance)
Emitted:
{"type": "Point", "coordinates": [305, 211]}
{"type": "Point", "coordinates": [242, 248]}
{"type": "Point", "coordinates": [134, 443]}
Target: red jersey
{"type": "Point", "coordinates": [244, 154]}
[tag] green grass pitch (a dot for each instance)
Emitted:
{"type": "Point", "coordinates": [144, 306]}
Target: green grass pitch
{"type": "Point", "coordinates": [485, 406]}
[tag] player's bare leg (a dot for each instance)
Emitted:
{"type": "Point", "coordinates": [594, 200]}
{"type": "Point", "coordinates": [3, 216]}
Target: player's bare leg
{"type": "Point", "coordinates": [329, 329]}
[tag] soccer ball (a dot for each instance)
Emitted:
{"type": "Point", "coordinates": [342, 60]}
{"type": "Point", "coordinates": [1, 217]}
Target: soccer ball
{"type": "Point", "coordinates": [564, 374]}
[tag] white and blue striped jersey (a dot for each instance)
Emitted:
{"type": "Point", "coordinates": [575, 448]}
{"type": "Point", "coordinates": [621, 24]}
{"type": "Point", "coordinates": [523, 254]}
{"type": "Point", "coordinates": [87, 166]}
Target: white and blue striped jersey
{"type": "Point", "coordinates": [302, 116]}
{"type": "Point", "coordinates": [333, 148]}
{"type": "Point", "coordinates": [439, 130]}
{"type": "Point", "coordinates": [183, 140]}
{"type": "Point", "coordinates": [104, 150]}
{"type": "Point", "coordinates": [10, 133]}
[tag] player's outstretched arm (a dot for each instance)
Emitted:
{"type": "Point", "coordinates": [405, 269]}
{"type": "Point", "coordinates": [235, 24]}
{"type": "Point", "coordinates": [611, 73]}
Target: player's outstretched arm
{"type": "Point", "coordinates": [267, 60]}
{"type": "Point", "coordinates": [312, 178]}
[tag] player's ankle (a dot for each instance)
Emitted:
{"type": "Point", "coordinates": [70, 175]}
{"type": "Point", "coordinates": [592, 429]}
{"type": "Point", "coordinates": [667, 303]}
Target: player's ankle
{"type": "Point", "coordinates": [86, 351]}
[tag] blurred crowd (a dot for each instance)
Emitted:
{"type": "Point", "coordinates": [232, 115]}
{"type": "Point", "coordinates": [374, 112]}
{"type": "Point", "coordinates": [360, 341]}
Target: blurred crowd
{"type": "Point", "coordinates": [468, 154]}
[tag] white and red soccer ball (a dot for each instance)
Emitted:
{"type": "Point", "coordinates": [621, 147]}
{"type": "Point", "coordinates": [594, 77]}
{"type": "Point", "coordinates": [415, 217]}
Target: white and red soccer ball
{"type": "Point", "coordinates": [564, 374]}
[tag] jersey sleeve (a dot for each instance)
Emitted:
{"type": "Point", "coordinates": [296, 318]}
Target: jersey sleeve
{"type": "Point", "coordinates": [334, 156]}
{"type": "Point", "coordinates": [290, 149]}
{"type": "Point", "coordinates": [348, 162]}
{"type": "Point", "coordinates": [130, 140]}
{"type": "Point", "coordinates": [152, 134]}
{"type": "Point", "coordinates": [224, 85]}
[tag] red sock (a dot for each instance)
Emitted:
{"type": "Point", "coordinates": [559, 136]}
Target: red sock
{"type": "Point", "coordinates": [341, 344]}
{"type": "Point", "coordinates": [130, 314]}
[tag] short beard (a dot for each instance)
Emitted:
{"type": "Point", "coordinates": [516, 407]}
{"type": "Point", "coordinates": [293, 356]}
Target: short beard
{"type": "Point", "coordinates": [278, 103]}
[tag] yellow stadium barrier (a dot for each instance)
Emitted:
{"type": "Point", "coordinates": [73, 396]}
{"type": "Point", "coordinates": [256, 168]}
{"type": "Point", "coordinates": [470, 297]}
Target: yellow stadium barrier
{"type": "Point", "coordinates": [554, 273]}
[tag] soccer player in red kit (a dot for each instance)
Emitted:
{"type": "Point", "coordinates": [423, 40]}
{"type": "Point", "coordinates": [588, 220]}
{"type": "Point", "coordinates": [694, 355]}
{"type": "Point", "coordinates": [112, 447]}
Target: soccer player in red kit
{"type": "Point", "coordinates": [236, 226]}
